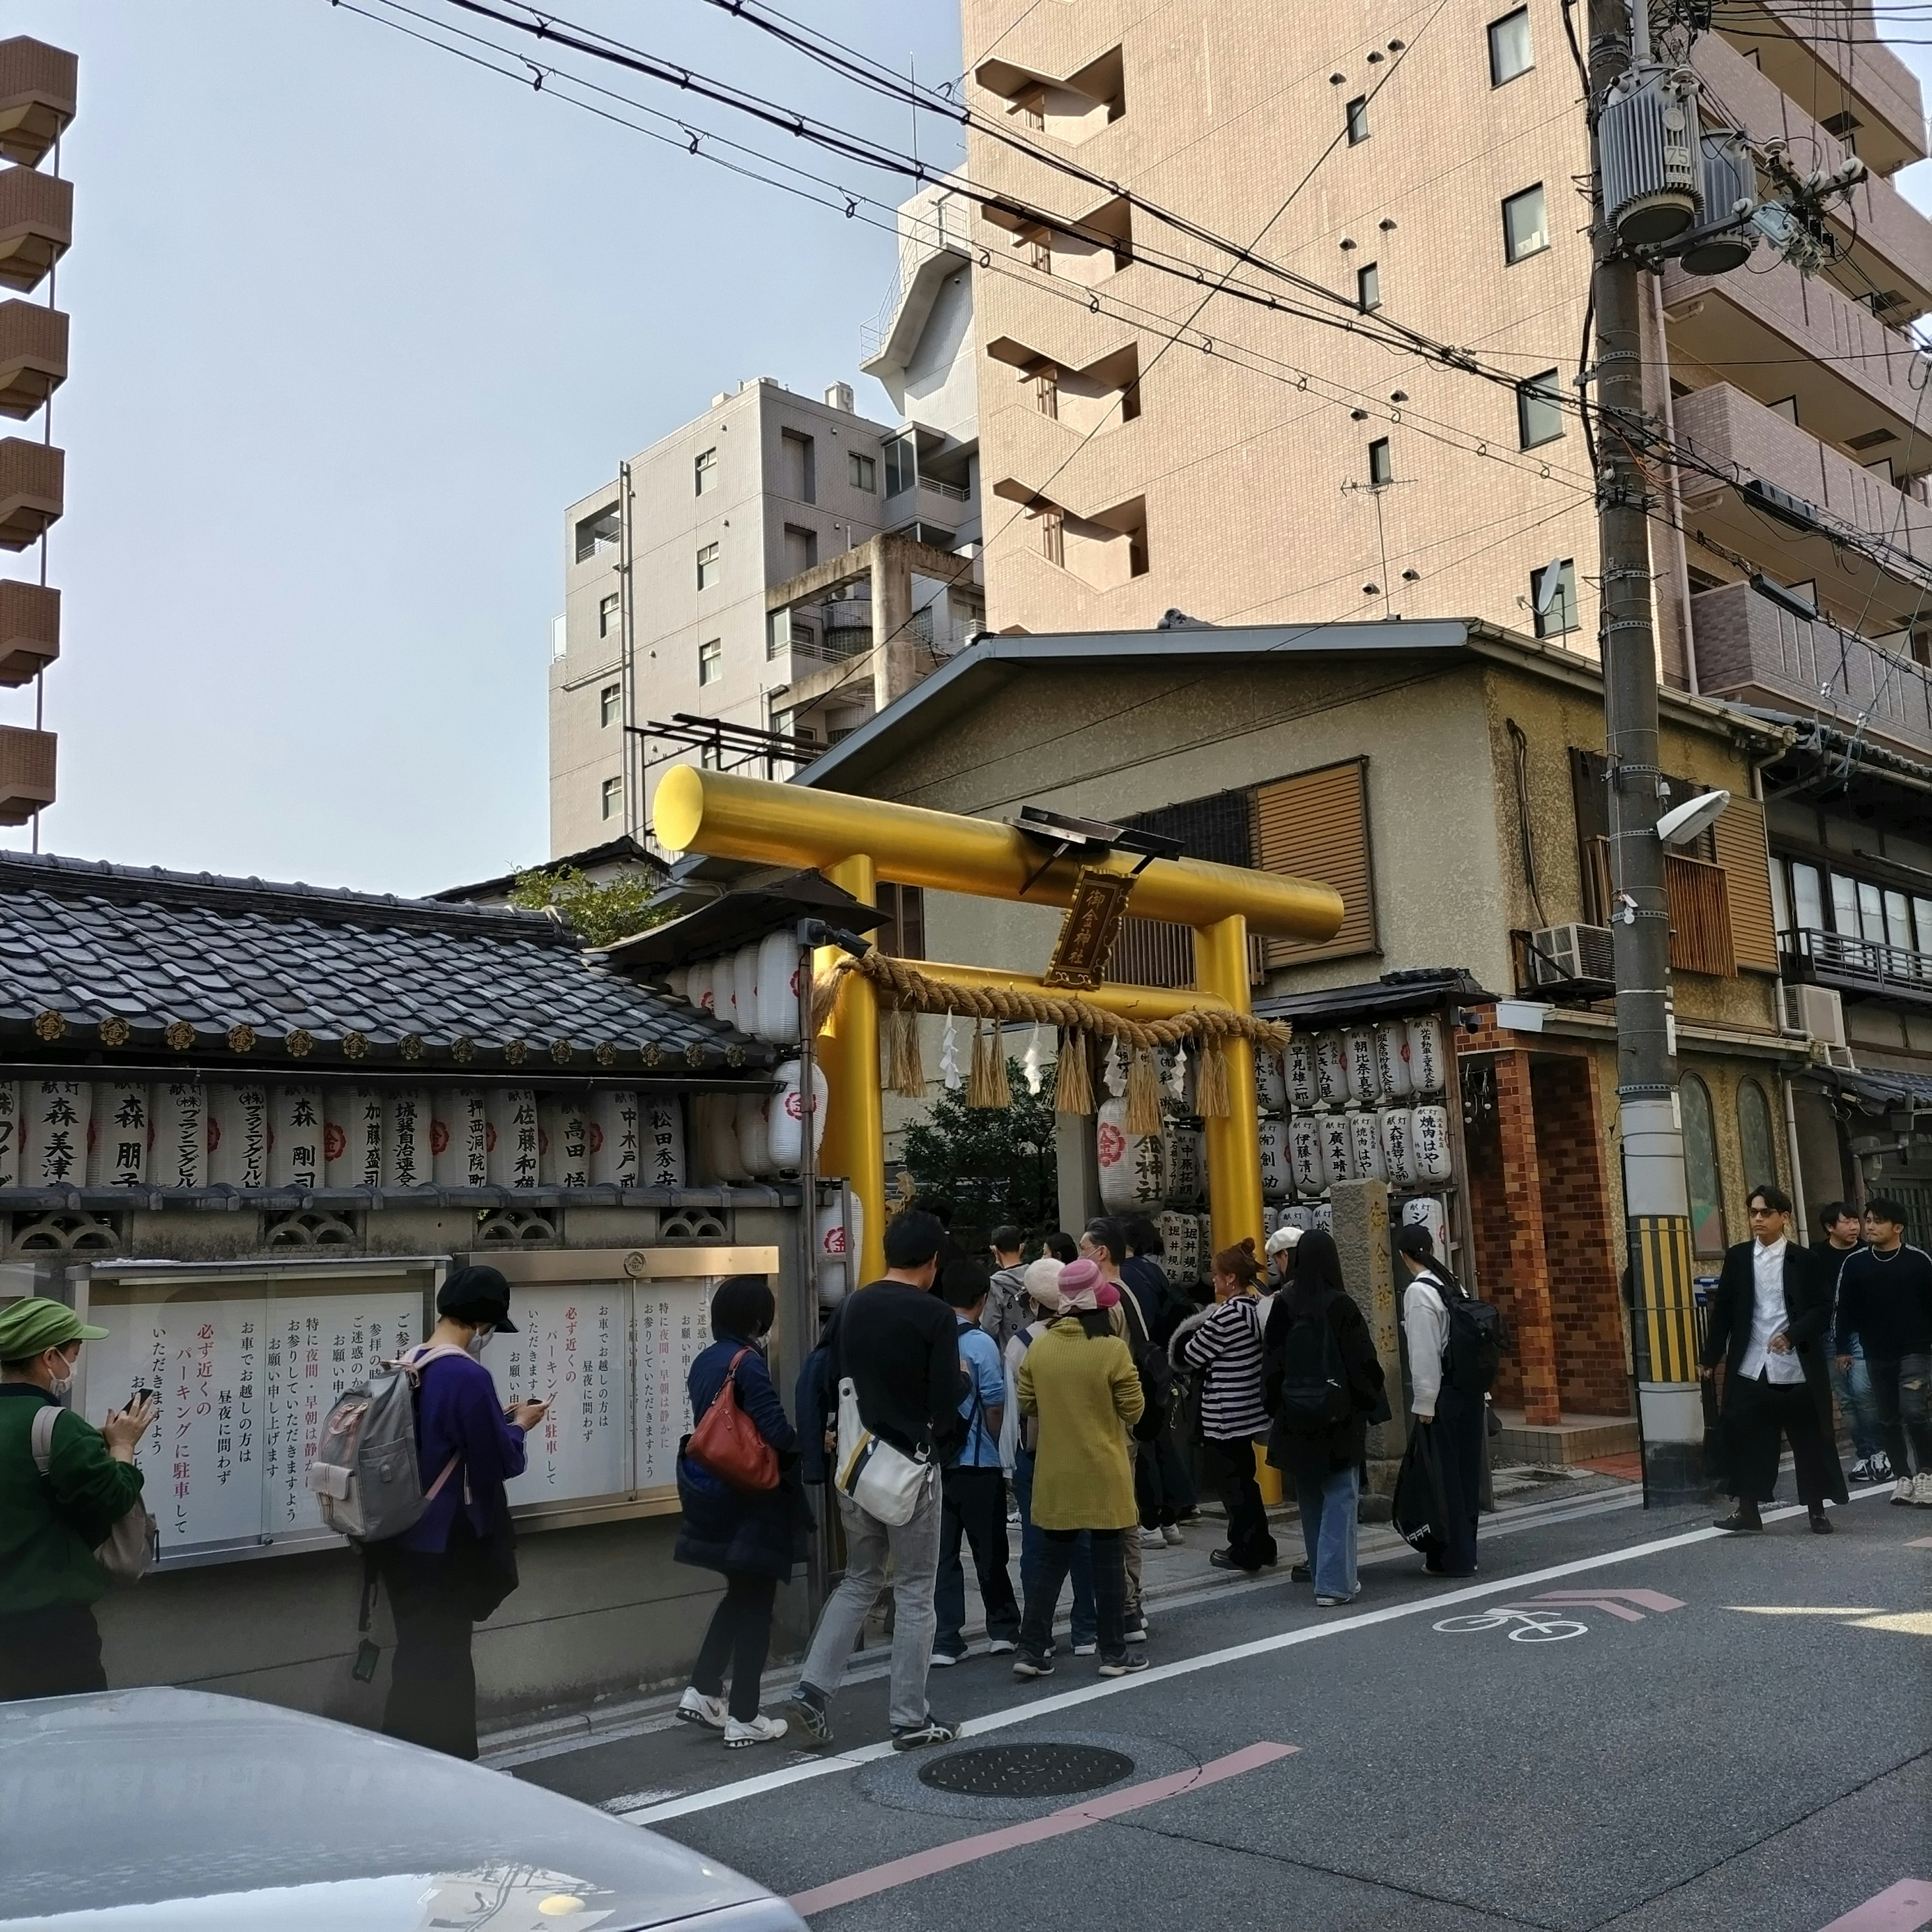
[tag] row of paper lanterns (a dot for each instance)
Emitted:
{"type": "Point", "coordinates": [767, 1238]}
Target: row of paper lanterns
{"type": "Point", "coordinates": [1188, 1240]}
{"type": "Point", "coordinates": [754, 989]}
{"type": "Point", "coordinates": [740, 1137]}
{"type": "Point", "coordinates": [1375, 1066]}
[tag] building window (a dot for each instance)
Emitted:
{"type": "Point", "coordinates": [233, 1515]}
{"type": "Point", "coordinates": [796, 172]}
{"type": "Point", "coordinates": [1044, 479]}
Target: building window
{"type": "Point", "coordinates": [707, 566]}
{"type": "Point", "coordinates": [1358, 120]}
{"type": "Point", "coordinates": [1509, 53]}
{"type": "Point", "coordinates": [864, 471]}
{"type": "Point", "coordinates": [903, 935]}
{"type": "Point", "coordinates": [611, 798]}
{"type": "Point", "coordinates": [798, 468]}
{"type": "Point", "coordinates": [1700, 1168]}
{"type": "Point", "coordinates": [1380, 470]}
{"type": "Point", "coordinates": [1046, 391]}
{"type": "Point", "coordinates": [901, 465]}
{"type": "Point", "coordinates": [1525, 225]}
{"type": "Point", "coordinates": [1807, 899]}
{"type": "Point", "coordinates": [597, 532]}
{"type": "Point", "coordinates": [1539, 412]}
{"type": "Point", "coordinates": [611, 704]}
{"type": "Point", "coordinates": [801, 549]}
{"type": "Point", "coordinates": [704, 471]}
{"type": "Point", "coordinates": [1368, 287]}
{"type": "Point", "coordinates": [1754, 1135]}
{"type": "Point", "coordinates": [711, 661]}
{"type": "Point", "coordinates": [1554, 602]}
{"type": "Point", "coordinates": [609, 611]}
{"type": "Point", "coordinates": [1053, 535]}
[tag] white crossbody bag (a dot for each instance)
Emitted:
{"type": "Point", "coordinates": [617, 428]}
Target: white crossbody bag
{"type": "Point", "coordinates": [886, 1482]}
{"type": "Point", "coordinates": [134, 1541]}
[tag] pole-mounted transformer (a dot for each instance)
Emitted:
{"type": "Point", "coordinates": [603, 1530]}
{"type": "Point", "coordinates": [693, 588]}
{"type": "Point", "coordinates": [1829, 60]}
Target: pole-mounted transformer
{"type": "Point", "coordinates": [1651, 156]}
{"type": "Point", "coordinates": [1728, 235]}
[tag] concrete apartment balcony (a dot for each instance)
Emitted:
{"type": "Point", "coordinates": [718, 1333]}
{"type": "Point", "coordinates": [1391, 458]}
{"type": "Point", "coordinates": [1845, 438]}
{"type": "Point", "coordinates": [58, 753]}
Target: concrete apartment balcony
{"type": "Point", "coordinates": [1757, 652]}
{"type": "Point", "coordinates": [36, 225]}
{"type": "Point", "coordinates": [1787, 530]}
{"type": "Point", "coordinates": [934, 239]}
{"type": "Point", "coordinates": [38, 84]}
{"type": "Point", "coordinates": [32, 491]}
{"type": "Point", "coordinates": [1823, 50]}
{"type": "Point", "coordinates": [29, 630]}
{"type": "Point", "coordinates": [26, 772]}
{"type": "Point", "coordinates": [33, 355]}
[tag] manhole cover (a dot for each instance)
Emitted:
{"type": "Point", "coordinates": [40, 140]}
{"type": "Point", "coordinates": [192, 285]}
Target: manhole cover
{"type": "Point", "coordinates": [1026, 1770]}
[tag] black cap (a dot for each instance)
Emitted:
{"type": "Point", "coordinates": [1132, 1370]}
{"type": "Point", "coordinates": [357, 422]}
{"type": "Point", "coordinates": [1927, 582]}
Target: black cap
{"type": "Point", "coordinates": [478, 1295]}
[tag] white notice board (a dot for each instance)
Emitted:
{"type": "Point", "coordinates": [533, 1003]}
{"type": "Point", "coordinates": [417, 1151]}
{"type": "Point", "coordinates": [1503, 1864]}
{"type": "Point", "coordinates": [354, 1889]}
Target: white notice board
{"type": "Point", "coordinates": [572, 1350]}
{"type": "Point", "coordinates": [673, 1329]}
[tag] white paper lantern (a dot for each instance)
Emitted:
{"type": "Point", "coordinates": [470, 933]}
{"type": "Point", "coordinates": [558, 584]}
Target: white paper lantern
{"type": "Point", "coordinates": [59, 1113]}
{"type": "Point", "coordinates": [515, 1158]}
{"type": "Point", "coordinates": [777, 970]}
{"type": "Point", "coordinates": [1183, 1164]}
{"type": "Point", "coordinates": [295, 1129]}
{"type": "Point", "coordinates": [237, 1139]}
{"type": "Point", "coordinates": [698, 989]}
{"type": "Point", "coordinates": [459, 1138]}
{"type": "Point", "coordinates": [117, 1154]}
{"type": "Point", "coordinates": [717, 1121]}
{"type": "Point", "coordinates": [1423, 1210]}
{"type": "Point", "coordinates": [1428, 1064]}
{"type": "Point", "coordinates": [1130, 1164]}
{"type": "Point", "coordinates": [745, 989]}
{"type": "Point", "coordinates": [1398, 1133]}
{"type": "Point", "coordinates": [1322, 1216]}
{"type": "Point", "coordinates": [754, 1134]}
{"type": "Point", "coordinates": [788, 1111]}
{"type": "Point", "coordinates": [10, 1134]}
{"type": "Point", "coordinates": [1304, 1153]}
{"type": "Point", "coordinates": [1392, 1059]}
{"type": "Point", "coordinates": [1431, 1156]}
{"type": "Point", "coordinates": [1301, 1087]}
{"type": "Point", "coordinates": [1365, 1085]}
{"type": "Point", "coordinates": [677, 979]}
{"type": "Point", "coordinates": [616, 1136]}
{"type": "Point", "coordinates": [1300, 1215]}
{"type": "Point", "coordinates": [1270, 1085]}
{"type": "Point", "coordinates": [1277, 1173]}
{"type": "Point", "coordinates": [179, 1155]}
{"type": "Point", "coordinates": [1336, 1155]}
{"type": "Point", "coordinates": [662, 1160]}
{"type": "Point", "coordinates": [840, 1244]}
{"type": "Point", "coordinates": [1367, 1161]}
{"type": "Point", "coordinates": [1331, 1069]}
{"type": "Point", "coordinates": [406, 1160]}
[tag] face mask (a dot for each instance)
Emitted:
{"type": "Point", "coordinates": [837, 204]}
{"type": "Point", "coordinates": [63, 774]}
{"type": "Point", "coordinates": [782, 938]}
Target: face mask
{"type": "Point", "coordinates": [478, 1342]}
{"type": "Point", "coordinates": [63, 1385]}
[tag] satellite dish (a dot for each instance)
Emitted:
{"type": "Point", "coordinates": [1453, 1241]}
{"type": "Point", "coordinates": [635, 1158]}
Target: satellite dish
{"type": "Point", "coordinates": [1682, 822]}
{"type": "Point", "coordinates": [1548, 583]}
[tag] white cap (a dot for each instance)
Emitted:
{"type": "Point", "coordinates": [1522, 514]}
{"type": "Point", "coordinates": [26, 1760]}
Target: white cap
{"type": "Point", "coordinates": [1283, 1238]}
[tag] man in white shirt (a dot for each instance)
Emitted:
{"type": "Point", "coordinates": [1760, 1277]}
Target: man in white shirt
{"type": "Point", "coordinates": [1768, 1323]}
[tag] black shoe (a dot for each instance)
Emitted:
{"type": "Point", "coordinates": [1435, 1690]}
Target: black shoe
{"type": "Point", "coordinates": [1224, 1559]}
{"type": "Point", "coordinates": [810, 1716]}
{"type": "Point", "coordinates": [1300, 1572]}
{"type": "Point", "coordinates": [1026, 1666]}
{"type": "Point", "coordinates": [1742, 1521]}
{"type": "Point", "coordinates": [1821, 1524]}
{"type": "Point", "coordinates": [917, 1737]}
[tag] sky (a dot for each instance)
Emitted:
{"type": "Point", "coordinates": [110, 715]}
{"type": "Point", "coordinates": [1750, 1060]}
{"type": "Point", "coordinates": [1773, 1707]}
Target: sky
{"type": "Point", "coordinates": [352, 322]}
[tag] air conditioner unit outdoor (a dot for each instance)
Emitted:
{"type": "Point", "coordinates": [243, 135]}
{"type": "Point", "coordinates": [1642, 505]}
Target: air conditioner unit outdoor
{"type": "Point", "coordinates": [1561, 954]}
{"type": "Point", "coordinates": [1819, 1013]}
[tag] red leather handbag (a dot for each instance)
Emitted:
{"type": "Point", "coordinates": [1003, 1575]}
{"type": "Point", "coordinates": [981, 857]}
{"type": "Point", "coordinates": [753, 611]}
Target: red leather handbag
{"type": "Point", "coordinates": [727, 1442]}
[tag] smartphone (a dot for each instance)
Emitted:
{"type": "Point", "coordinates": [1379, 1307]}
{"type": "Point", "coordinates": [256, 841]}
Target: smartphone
{"type": "Point", "coordinates": [144, 1395]}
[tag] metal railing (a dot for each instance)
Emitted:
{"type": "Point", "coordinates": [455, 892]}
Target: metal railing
{"type": "Point", "coordinates": [1873, 962]}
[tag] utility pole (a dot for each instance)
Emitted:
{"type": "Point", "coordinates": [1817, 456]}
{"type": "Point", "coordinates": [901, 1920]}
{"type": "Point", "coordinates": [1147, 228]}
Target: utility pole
{"type": "Point", "coordinates": [1656, 1199]}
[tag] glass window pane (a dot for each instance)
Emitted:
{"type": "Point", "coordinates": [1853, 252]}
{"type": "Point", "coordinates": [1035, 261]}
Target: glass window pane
{"type": "Point", "coordinates": [1754, 1135]}
{"type": "Point", "coordinates": [1845, 905]}
{"type": "Point", "coordinates": [1807, 899]}
{"type": "Point", "coordinates": [1369, 288]}
{"type": "Point", "coordinates": [1509, 47]}
{"type": "Point", "coordinates": [1358, 120]}
{"type": "Point", "coordinates": [1554, 605]}
{"type": "Point", "coordinates": [1380, 470]}
{"type": "Point", "coordinates": [1871, 913]}
{"type": "Point", "coordinates": [1526, 229]}
{"type": "Point", "coordinates": [1539, 412]}
{"type": "Point", "coordinates": [1897, 920]}
{"type": "Point", "coordinates": [1780, 899]}
{"type": "Point", "coordinates": [1700, 1169]}
{"type": "Point", "coordinates": [1922, 912]}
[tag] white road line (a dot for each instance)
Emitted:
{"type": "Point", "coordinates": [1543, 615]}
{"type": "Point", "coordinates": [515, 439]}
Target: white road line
{"type": "Point", "coordinates": [1163, 1673]}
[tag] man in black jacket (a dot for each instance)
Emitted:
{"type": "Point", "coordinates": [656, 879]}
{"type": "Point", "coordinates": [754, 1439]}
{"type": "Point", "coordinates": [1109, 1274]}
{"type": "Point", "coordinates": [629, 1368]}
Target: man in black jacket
{"type": "Point", "coordinates": [1885, 1303]}
{"type": "Point", "coordinates": [1768, 1322]}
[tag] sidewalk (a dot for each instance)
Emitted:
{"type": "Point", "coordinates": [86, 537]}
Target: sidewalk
{"type": "Point", "coordinates": [1169, 1575]}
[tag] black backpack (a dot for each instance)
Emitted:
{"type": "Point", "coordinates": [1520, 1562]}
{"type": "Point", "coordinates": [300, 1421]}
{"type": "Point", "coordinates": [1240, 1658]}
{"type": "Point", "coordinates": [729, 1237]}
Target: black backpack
{"type": "Point", "coordinates": [1476, 1339]}
{"type": "Point", "coordinates": [1151, 1365]}
{"type": "Point", "coordinates": [1314, 1397]}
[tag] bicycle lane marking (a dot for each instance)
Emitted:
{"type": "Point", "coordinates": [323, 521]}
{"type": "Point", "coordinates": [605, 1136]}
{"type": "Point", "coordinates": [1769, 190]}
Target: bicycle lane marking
{"type": "Point", "coordinates": [1186, 1667]}
{"type": "Point", "coordinates": [1903, 1907]}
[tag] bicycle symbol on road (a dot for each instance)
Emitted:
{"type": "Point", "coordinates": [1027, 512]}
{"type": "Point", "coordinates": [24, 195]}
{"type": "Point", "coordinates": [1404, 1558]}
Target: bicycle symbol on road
{"type": "Point", "coordinates": [1552, 1619]}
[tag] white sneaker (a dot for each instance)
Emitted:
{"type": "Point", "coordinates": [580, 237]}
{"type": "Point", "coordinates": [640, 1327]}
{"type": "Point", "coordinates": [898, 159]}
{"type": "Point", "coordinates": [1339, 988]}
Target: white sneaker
{"type": "Point", "coordinates": [1000, 1645]}
{"type": "Point", "coordinates": [1862, 1470]}
{"type": "Point", "coordinates": [694, 1708]}
{"type": "Point", "coordinates": [1881, 1468]}
{"type": "Point", "coordinates": [740, 1732]}
{"type": "Point", "coordinates": [1905, 1490]}
{"type": "Point", "coordinates": [1173, 1536]}
{"type": "Point", "coordinates": [1921, 1489]}
{"type": "Point", "coordinates": [1084, 1649]}
{"type": "Point", "coordinates": [1152, 1539]}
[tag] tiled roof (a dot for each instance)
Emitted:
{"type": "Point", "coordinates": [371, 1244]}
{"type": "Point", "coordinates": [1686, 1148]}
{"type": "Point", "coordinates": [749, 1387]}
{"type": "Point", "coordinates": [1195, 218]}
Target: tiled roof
{"type": "Point", "coordinates": [142, 960]}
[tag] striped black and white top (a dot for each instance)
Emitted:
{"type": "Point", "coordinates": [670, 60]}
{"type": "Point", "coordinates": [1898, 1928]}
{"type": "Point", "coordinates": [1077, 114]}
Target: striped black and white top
{"type": "Point", "coordinates": [1226, 1345]}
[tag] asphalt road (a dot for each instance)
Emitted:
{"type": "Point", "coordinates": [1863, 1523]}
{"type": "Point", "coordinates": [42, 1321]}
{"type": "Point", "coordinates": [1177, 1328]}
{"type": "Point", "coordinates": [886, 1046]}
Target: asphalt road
{"type": "Point", "coordinates": [1732, 1734]}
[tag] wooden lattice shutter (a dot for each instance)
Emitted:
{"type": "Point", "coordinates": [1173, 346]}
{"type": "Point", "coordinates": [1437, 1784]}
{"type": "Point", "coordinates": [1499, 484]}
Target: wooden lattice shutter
{"type": "Point", "coordinates": [1738, 835]}
{"type": "Point", "coordinates": [1316, 825]}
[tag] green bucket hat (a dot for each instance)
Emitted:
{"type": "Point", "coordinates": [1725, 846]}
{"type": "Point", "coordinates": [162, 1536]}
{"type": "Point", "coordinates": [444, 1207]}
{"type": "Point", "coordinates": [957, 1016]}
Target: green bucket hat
{"type": "Point", "coordinates": [35, 1323]}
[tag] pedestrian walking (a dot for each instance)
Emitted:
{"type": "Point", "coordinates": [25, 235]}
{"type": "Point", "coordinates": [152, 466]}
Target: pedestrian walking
{"type": "Point", "coordinates": [1321, 1379]}
{"type": "Point", "coordinates": [1163, 1485]}
{"type": "Point", "coordinates": [51, 1523]}
{"type": "Point", "coordinates": [1078, 1379]}
{"type": "Point", "coordinates": [751, 1536]}
{"type": "Point", "coordinates": [1768, 1322]}
{"type": "Point", "coordinates": [1842, 1235]}
{"type": "Point", "coordinates": [1885, 1305]}
{"type": "Point", "coordinates": [1453, 1415]}
{"type": "Point", "coordinates": [455, 1565]}
{"type": "Point", "coordinates": [1042, 1289]}
{"type": "Point", "coordinates": [973, 1486]}
{"type": "Point", "coordinates": [1224, 1343]}
{"type": "Point", "coordinates": [1104, 1243]}
{"type": "Point", "coordinates": [1007, 1310]}
{"type": "Point", "coordinates": [898, 1344]}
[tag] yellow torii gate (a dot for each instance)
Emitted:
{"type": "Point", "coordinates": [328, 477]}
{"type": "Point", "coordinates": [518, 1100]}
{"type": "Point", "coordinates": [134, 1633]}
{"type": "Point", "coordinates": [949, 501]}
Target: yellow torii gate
{"type": "Point", "coordinates": [856, 842]}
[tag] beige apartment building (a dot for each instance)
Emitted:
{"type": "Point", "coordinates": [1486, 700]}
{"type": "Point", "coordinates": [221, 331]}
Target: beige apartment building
{"type": "Point", "coordinates": [1430, 164]}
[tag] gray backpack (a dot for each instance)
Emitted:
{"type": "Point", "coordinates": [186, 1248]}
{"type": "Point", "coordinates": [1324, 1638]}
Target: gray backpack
{"type": "Point", "coordinates": [129, 1552]}
{"type": "Point", "coordinates": [365, 1476]}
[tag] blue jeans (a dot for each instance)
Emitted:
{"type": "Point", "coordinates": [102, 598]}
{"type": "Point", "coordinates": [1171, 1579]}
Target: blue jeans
{"type": "Point", "coordinates": [1853, 1388]}
{"type": "Point", "coordinates": [1328, 1528]}
{"type": "Point", "coordinates": [1033, 1544]}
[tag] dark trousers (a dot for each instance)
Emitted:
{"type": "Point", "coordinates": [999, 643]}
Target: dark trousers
{"type": "Point", "coordinates": [1459, 1427]}
{"type": "Point", "coordinates": [973, 1503]}
{"type": "Point", "coordinates": [432, 1698]}
{"type": "Point", "coordinates": [1110, 1591]}
{"type": "Point", "coordinates": [54, 1651]}
{"type": "Point", "coordinates": [1901, 1396]}
{"type": "Point", "coordinates": [740, 1635]}
{"type": "Point", "coordinates": [1033, 1540]}
{"type": "Point", "coordinates": [1756, 1413]}
{"type": "Point", "coordinates": [1163, 1490]}
{"type": "Point", "coordinates": [1250, 1544]}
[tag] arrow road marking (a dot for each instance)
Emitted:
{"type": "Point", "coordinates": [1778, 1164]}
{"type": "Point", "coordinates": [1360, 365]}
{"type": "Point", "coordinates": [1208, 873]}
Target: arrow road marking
{"type": "Point", "coordinates": [1647, 1600]}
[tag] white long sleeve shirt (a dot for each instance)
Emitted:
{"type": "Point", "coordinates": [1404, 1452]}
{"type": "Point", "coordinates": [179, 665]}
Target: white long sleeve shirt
{"type": "Point", "coordinates": [1769, 1317]}
{"type": "Point", "coordinates": [1425, 1321]}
